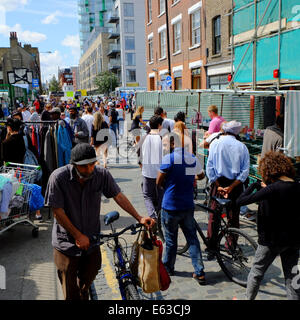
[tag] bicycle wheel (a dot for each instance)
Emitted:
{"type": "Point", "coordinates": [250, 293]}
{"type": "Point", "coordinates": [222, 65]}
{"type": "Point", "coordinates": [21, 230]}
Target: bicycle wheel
{"type": "Point", "coordinates": [131, 292]}
{"type": "Point", "coordinates": [182, 246]}
{"type": "Point", "coordinates": [235, 255]}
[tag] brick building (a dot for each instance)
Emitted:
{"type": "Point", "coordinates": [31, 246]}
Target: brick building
{"type": "Point", "coordinates": [187, 49]}
{"type": "Point", "coordinates": [218, 31]}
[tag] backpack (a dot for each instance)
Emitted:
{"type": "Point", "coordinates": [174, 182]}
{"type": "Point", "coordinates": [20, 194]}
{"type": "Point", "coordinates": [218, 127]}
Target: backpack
{"type": "Point", "coordinates": [30, 158]}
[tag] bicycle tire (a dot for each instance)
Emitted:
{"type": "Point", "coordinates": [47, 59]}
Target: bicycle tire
{"type": "Point", "coordinates": [228, 257]}
{"type": "Point", "coordinates": [184, 248]}
{"type": "Point", "coordinates": [131, 292]}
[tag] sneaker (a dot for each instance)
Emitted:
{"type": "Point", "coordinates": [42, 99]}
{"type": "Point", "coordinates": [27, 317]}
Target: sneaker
{"type": "Point", "coordinates": [200, 279]}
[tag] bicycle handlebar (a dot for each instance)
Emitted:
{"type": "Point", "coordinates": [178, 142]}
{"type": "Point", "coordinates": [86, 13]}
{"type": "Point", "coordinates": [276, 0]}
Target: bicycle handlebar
{"type": "Point", "coordinates": [132, 227]}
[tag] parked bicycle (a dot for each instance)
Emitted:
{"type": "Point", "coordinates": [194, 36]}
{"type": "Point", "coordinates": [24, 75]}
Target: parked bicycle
{"type": "Point", "coordinates": [127, 282]}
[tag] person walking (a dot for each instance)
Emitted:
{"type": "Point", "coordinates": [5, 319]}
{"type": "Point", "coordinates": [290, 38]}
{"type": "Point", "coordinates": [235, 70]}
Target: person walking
{"type": "Point", "coordinates": [113, 123]}
{"type": "Point", "coordinates": [151, 157]}
{"type": "Point", "coordinates": [177, 175]}
{"type": "Point", "coordinates": [79, 127]}
{"type": "Point", "coordinates": [227, 169]}
{"type": "Point", "coordinates": [278, 223]}
{"type": "Point", "coordinates": [100, 137]}
{"type": "Point", "coordinates": [74, 193]}
{"type": "Point", "coordinates": [137, 122]}
{"type": "Point", "coordinates": [121, 120]}
{"type": "Point", "coordinates": [89, 119]}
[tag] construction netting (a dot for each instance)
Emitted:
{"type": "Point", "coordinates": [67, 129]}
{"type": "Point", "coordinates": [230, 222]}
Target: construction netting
{"type": "Point", "coordinates": [231, 106]}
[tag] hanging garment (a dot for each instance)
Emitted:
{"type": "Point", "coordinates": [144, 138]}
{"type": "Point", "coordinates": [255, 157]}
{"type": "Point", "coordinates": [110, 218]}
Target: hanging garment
{"type": "Point", "coordinates": [291, 124]}
{"type": "Point", "coordinates": [64, 146]}
{"type": "Point", "coordinates": [6, 197]}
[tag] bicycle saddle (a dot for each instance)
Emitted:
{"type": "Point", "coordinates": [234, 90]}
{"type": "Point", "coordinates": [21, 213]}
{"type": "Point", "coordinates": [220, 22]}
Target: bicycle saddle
{"type": "Point", "coordinates": [111, 217]}
{"type": "Point", "coordinates": [222, 202]}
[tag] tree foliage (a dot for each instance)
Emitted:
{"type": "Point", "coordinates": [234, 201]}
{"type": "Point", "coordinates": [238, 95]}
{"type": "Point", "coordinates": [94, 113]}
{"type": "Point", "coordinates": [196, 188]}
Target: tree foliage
{"type": "Point", "coordinates": [106, 82]}
{"type": "Point", "coordinates": [54, 85]}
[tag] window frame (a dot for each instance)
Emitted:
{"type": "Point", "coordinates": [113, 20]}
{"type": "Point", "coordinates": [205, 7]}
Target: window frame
{"type": "Point", "coordinates": [217, 37]}
{"type": "Point", "coordinates": [127, 73]}
{"type": "Point", "coordinates": [125, 12]}
{"type": "Point", "coordinates": [126, 59]}
{"type": "Point", "coordinates": [177, 36]}
{"type": "Point", "coordinates": [164, 44]}
{"type": "Point", "coordinates": [150, 50]}
{"type": "Point", "coordinates": [194, 29]}
{"type": "Point", "coordinates": [159, 6]}
{"type": "Point", "coordinates": [127, 41]}
{"type": "Point", "coordinates": [149, 9]}
{"type": "Point", "coordinates": [125, 22]}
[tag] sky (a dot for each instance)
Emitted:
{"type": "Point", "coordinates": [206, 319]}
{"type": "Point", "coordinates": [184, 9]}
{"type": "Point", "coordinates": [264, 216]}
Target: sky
{"type": "Point", "coordinates": [50, 25]}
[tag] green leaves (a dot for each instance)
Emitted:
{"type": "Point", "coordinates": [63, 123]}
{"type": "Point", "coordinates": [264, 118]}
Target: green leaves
{"type": "Point", "coordinates": [106, 82]}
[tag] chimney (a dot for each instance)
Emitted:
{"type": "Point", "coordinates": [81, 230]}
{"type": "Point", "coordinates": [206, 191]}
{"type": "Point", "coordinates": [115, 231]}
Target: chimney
{"type": "Point", "coordinates": [13, 40]}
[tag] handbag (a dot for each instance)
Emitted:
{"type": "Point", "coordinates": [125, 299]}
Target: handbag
{"type": "Point", "coordinates": [165, 279]}
{"type": "Point", "coordinates": [148, 265]}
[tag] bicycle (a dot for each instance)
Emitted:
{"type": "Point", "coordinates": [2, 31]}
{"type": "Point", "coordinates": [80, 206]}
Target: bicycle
{"type": "Point", "coordinates": [127, 282]}
{"type": "Point", "coordinates": [235, 249]}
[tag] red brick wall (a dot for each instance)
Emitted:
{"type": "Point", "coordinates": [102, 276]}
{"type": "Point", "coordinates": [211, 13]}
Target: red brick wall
{"type": "Point", "coordinates": [186, 56]}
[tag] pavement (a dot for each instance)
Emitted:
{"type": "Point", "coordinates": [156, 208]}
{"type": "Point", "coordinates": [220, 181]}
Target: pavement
{"type": "Point", "coordinates": [31, 273]}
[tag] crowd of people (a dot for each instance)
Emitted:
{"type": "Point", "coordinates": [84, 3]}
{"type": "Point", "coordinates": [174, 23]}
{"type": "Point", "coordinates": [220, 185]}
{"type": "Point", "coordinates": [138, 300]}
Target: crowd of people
{"type": "Point", "coordinates": [169, 169]}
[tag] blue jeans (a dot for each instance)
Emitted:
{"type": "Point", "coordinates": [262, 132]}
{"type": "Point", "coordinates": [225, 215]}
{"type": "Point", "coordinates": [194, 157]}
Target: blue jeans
{"type": "Point", "coordinates": [170, 221]}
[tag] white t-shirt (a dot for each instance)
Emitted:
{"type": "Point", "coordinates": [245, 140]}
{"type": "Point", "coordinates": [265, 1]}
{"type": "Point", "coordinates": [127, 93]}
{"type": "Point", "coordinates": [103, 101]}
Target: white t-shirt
{"type": "Point", "coordinates": [26, 115]}
{"type": "Point", "coordinates": [151, 156]}
{"type": "Point", "coordinates": [89, 119]}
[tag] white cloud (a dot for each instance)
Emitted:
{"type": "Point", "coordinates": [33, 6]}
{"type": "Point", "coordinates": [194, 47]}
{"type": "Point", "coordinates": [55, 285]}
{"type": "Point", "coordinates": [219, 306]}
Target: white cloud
{"type": "Point", "coordinates": [73, 42]}
{"type": "Point", "coordinates": [11, 5]}
{"type": "Point", "coordinates": [51, 19]}
{"type": "Point", "coordinates": [23, 35]}
{"type": "Point", "coordinates": [50, 63]}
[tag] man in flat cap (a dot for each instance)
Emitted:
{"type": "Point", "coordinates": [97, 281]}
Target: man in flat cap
{"type": "Point", "coordinates": [74, 193]}
{"type": "Point", "coordinates": [227, 169]}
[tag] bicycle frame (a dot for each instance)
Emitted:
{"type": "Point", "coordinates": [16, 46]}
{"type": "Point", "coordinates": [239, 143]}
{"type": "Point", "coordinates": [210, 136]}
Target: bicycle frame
{"type": "Point", "coordinates": [123, 275]}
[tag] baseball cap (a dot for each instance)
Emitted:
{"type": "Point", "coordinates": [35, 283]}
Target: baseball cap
{"type": "Point", "coordinates": [83, 154]}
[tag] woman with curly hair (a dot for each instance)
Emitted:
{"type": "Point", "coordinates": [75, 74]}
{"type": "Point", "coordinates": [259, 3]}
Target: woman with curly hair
{"type": "Point", "coordinates": [278, 222]}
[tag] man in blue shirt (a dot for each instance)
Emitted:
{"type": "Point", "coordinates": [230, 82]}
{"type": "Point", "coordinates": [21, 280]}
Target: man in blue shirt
{"type": "Point", "coordinates": [177, 174]}
{"type": "Point", "coordinates": [227, 169]}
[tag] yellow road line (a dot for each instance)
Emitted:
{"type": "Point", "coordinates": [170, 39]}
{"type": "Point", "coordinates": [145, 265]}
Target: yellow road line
{"type": "Point", "coordinates": [110, 275]}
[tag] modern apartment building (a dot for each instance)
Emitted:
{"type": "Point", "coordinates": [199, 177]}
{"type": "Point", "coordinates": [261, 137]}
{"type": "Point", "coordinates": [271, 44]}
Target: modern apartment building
{"type": "Point", "coordinates": [175, 44]}
{"type": "Point", "coordinates": [218, 30]}
{"type": "Point", "coordinates": [127, 53]}
{"type": "Point", "coordinates": [93, 61]}
{"type": "Point", "coordinates": [93, 15]}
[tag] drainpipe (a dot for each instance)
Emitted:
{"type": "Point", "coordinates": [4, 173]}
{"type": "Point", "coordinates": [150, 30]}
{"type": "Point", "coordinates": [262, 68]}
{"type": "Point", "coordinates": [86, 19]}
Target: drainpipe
{"type": "Point", "coordinates": [254, 47]}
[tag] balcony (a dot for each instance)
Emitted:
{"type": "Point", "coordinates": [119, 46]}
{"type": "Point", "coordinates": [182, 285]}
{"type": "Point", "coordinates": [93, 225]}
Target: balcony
{"type": "Point", "coordinates": [114, 64]}
{"type": "Point", "coordinates": [114, 33]}
{"type": "Point", "coordinates": [113, 18]}
{"type": "Point", "coordinates": [113, 50]}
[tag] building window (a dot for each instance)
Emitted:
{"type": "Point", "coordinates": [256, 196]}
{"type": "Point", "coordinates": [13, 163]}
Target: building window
{"type": "Point", "coordinates": [196, 78]}
{"type": "Point", "coordinates": [217, 35]}
{"type": "Point", "coordinates": [195, 28]}
{"type": "Point", "coordinates": [130, 59]}
{"type": "Point", "coordinates": [128, 10]}
{"type": "Point", "coordinates": [129, 43]}
{"type": "Point", "coordinates": [177, 36]}
{"type": "Point", "coordinates": [219, 82]}
{"type": "Point", "coordinates": [175, 1]}
{"type": "Point", "coordinates": [178, 83]}
{"type": "Point", "coordinates": [149, 11]}
{"type": "Point", "coordinates": [130, 75]}
{"type": "Point", "coordinates": [162, 41]}
{"type": "Point", "coordinates": [150, 49]}
{"type": "Point", "coordinates": [129, 26]}
{"type": "Point", "coordinates": [162, 6]}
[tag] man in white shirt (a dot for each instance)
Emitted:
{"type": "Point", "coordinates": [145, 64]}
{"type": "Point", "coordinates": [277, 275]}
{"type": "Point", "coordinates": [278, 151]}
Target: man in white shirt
{"type": "Point", "coordinates": [89, 119]}
{"type": "Point", "coordinates": [26, 114]}
{"type": "Point", "coordinates": [151, 160]}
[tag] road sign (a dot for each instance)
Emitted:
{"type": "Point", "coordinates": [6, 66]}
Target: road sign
{"type": "Point", "coordinates": [35, 83]}
{"type": "Point", "coordinates": [169, 81]}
